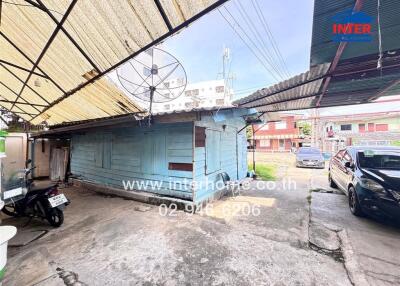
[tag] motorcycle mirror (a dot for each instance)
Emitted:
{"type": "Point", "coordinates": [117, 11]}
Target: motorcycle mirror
{"type": "Point", "coordinates": [28, 161]}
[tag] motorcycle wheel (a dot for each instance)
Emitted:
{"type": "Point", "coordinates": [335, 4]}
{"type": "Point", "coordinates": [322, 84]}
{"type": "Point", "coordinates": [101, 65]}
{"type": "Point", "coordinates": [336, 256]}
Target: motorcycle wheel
{"type": "Point", "coordinates": [10, 210]}
{"type": "Point", "coordinates": [55, 217]}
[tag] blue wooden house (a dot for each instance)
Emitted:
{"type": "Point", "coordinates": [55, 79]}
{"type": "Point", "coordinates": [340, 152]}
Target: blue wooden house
{"type": "Point", "coordinates": [181, 155]}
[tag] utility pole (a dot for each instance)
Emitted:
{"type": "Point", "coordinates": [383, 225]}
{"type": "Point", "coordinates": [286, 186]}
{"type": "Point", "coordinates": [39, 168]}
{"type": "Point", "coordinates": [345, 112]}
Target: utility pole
{"type": "Point", "coordinates": [315, 128]}
{"type": "Point", "coordinates": [226, 57]}
{"type": "Point", "coordinates": [254, 149]}
{"type": "Point", "coordinates": [226, 74]}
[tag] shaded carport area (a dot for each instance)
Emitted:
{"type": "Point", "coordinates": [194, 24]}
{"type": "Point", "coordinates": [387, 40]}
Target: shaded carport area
{"type": "Point", "coordinates": [113, 241]}
{"type": "Point", "coordinates": [341, 74]}
{"type": "Point", "coordinates": [55, 55]}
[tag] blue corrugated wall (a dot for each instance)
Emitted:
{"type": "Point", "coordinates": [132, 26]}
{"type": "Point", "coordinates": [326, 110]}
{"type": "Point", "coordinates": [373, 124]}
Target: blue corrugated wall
{"type": "Point", "coordinates": [136, 154]}
{"type": "Point", "coordinates": [142, 155]}
{"type": "Point", "coordinates": [225, 151]}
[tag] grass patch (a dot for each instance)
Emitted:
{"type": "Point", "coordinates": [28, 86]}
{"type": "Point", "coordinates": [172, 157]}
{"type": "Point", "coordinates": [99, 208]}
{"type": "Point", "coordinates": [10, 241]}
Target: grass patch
{"type": "Point", "coordinates": [266, 172]}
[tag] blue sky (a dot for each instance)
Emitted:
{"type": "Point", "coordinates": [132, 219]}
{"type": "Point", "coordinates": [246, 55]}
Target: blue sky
{"type": "Point", "coordinates": [200, 47]}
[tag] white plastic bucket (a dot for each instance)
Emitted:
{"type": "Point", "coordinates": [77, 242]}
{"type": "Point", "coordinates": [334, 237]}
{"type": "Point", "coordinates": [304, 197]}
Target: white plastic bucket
{"type": "Point", "coordinates": [6, 233]}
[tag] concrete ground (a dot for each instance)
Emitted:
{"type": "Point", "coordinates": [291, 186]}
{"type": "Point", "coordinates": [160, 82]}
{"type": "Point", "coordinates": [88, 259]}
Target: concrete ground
{"type": "Point", "coordinates": [372, 247]}
{"type": "Point", "coordinates": [268, 235]}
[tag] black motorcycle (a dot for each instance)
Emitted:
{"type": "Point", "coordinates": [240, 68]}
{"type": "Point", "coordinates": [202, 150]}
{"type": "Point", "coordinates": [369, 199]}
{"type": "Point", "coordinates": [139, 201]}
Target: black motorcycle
{"type": "Point", "coordinates": [45, 203]}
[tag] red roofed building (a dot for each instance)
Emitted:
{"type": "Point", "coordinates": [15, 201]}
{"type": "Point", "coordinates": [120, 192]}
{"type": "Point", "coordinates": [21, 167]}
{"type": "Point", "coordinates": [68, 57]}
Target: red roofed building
{"type": "Point", "coordinates": [279, 136]}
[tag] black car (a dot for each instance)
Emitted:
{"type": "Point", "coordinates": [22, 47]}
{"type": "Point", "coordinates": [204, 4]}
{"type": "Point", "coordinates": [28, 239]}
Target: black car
{"type": "Point", "coordinates": [370, 177]}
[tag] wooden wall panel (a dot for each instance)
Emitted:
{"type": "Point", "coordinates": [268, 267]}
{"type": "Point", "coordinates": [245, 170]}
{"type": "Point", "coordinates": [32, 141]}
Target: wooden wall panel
{"type": "Point", "coordinates": [136, 154]}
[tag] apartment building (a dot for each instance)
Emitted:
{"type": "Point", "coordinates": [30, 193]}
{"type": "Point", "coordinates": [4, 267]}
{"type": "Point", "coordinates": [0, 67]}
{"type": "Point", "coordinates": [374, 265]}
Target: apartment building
{"type": "Point", "coordinates": [280, 136]}
{"type": "Point", "coordinates": [200, 94]}
{"type": "Point", "coordinates": [369, 129]}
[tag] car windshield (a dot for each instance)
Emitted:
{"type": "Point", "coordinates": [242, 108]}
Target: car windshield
{"type": "Point", "coordinates": [309, 151]}
{"type": "Point", "coordinates": [379, 159]}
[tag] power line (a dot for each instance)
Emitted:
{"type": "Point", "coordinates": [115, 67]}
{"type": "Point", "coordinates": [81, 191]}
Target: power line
{"type": "Point", "coordinates": [254, 87]}
{"type": "Point", "coordinates": [252, 27]}
{"type": "Point", "coordinates": [244, 41]}
{"type": "Point", "coordinates": [262, 18]}
{"type": "Point", "coordinates": [251, 41]}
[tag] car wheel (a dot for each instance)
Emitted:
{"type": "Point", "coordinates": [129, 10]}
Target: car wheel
{"type": "Point", "coordinates": [354, 203]}
{"type": "Point", "coordinates": [332, 184]}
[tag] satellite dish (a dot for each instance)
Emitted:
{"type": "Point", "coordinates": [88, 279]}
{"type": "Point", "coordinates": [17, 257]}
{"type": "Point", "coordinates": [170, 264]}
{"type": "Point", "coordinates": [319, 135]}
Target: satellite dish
{"type": "Point", "coordinates": [154, 76]}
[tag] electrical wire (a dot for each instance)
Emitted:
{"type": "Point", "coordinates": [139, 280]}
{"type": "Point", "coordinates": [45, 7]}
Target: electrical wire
{"type": "Point", "coordinates": [246, 92]}
{"type": "Point", "coordinates": [264, 47]}
{"type": "Point", "coordinates": [262, 18]}
{"type": "Point", "coordinates": [247, 44]}
{"type": "Point", "coordinates": [254, 87]}
{"type": "Point", "coordinates": [270, 36]}
{"type": "Point", "coordinates": [379, 64]}
{"type": "Point", "coordinates": [253, 43]}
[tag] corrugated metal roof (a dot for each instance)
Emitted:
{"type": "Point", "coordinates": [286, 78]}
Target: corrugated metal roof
{"type": "Point", "coordinates": [297, 92]}
{"type": "Point", "coordinates": [63, 47]}
{"type": "Point", "coordinates": [195, 109]}
{"type": "Point", "coordinates": [354, 81]}
{"type": "Point", "coordinates": [126, 118]}
{"type": "Point", "coordinates": [323, 49]}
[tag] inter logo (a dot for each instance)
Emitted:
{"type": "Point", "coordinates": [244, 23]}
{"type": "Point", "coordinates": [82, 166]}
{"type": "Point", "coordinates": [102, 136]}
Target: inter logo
{"type": "Point", "coordinates": [351, 26]}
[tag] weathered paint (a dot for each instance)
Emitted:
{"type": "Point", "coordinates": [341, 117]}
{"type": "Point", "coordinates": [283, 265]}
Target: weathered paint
{"type": "Point", "coordinates": [142, 154]}
{"type": "Point", "coordinates": [138, 155]}
{"type": "Point", "coordinates": [225, 151]}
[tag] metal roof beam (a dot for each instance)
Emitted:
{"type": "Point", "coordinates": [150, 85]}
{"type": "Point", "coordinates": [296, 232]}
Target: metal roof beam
{"type": "Point", "coordinates": [1, 6]}
{"type": "Point", "coordinates": [45, 9]}
{"type": "Point", "coordinates": [24, 103]}
{"type": "Point", "coordinates": [21, 68]}
{"type": "Point", "coordinates": [163, 14]}
{"type": "Point", "coordinates": [285, 89]}
{"type": "Point", "coordinates": [33, 3]}
{"type": "Point", "coordinates": [18, 95]}
{"type": "Point", "coordinates": [314, 95]}
{"type": "Point", "coordinates": [155, 42]}
{"type": "Point", "coordinates": [287, 100]}
{"type": "Point", "coordinates": [46, 47]}
{"type": "Point", "coordinates": [16, 112]}
{"type": "Point", "coordinates": [386, 89]}
{"type": "Point", "coordinates": [22, 111]}
{"type": "Point", "coordinates": [336, 59]}
{"type": "Point", "coordinates": [31, 61]}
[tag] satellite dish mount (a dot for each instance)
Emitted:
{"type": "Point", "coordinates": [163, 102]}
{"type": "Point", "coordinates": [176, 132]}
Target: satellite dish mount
{"type": "Point", "coordinates": [154, 76]}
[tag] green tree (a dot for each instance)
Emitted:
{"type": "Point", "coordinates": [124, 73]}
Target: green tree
{"type": "Point", "coordinates": [249, 132]}
{"type": "Point", "coordinates": [305, 128]}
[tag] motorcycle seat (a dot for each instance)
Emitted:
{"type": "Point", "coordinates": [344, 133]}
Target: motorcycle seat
{"type": "Point", "coordinates": [36, 189]}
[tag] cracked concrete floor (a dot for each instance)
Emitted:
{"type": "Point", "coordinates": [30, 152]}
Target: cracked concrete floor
{"type": "Point", "coordinates": [113, 241]}
{"type": "Point", "coordinates": [109, 241]}
{"type": "Point", "coordinates": [371, 246]}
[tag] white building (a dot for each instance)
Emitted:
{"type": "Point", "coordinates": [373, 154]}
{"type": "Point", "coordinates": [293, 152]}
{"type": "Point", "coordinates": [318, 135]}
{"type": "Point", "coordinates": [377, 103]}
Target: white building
{"type": "Point", "coordinates": [171, 90]}
{"type": "Point", "coordinates": [196, 95]}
